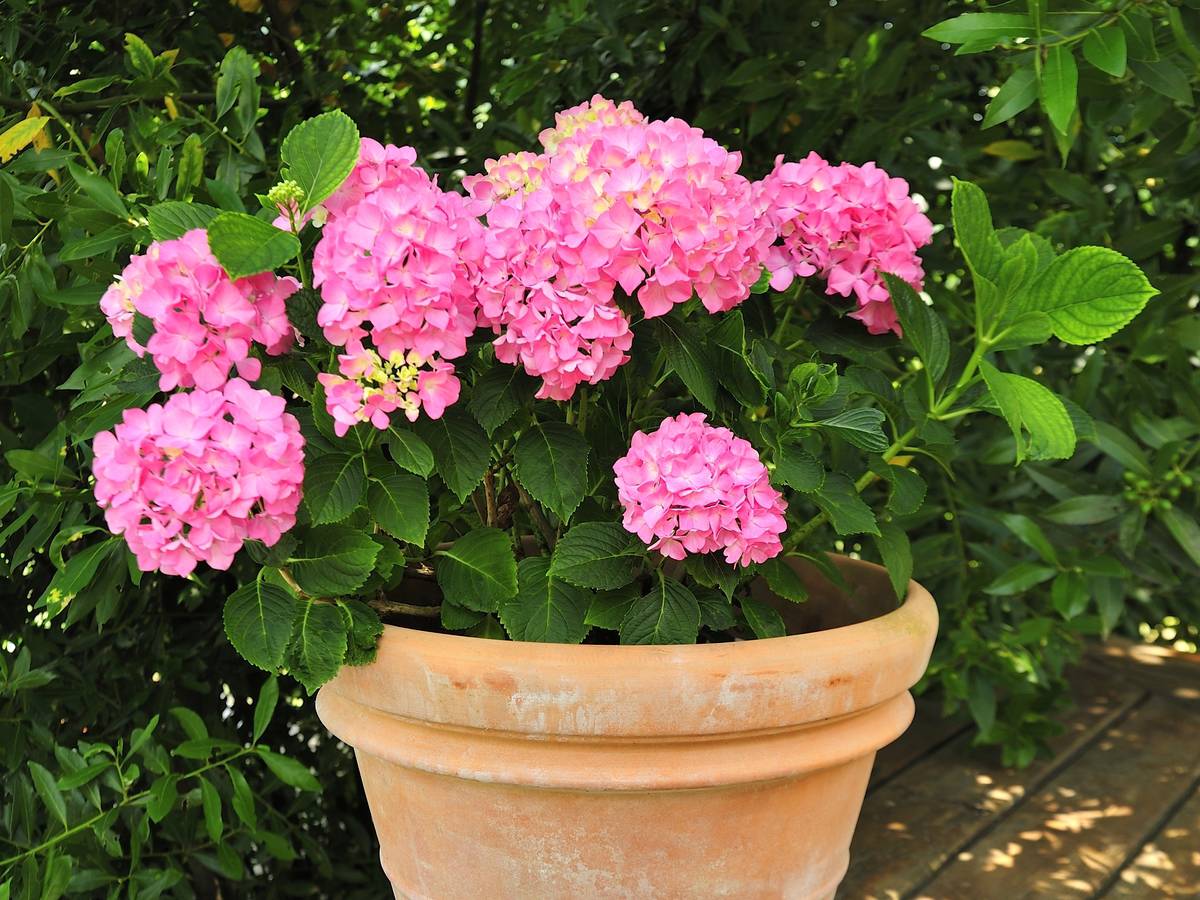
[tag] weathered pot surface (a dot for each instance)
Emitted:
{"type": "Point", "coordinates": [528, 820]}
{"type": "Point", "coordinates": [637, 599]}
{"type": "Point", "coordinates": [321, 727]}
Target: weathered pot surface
{"type": "Point", "coordinates": [499, 769]}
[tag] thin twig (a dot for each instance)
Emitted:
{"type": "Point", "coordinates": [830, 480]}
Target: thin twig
{"type": "Point", "coordinates": [535, 513]}
{"type": "Point", "coordinates": [395, 607]}
{"type": "Point", "coordinates": [489, 496]}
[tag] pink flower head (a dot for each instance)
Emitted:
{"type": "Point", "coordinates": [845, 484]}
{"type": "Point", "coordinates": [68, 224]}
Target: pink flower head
{"type": "Point", "coordinates": [190, 479]}
{"type": "Point", "coordinates": [397, 258]}
{"type": "Point", "coordinates": [654, 208]}
{"type": "Point", "coordinates": [370, 388]}
{"type": "Point", "coordinates": [204, 323]}
{"type": "Point", "coordinates": [690, 487]}
{"type": "Point", "coordinates": [849, 224]}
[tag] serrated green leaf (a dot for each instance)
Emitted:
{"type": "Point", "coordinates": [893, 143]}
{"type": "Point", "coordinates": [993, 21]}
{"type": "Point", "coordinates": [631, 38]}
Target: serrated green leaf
{"type": "Point", "coordinates": [765, 621]}
{"type": "Point", "coordinates": [399, 503]}
{"type": "Point", "coordinates": [974, 232]}
{"type": "Point", "coordinates": [545, 608]}
{"type": "Point", "coordinates": [319, 153]}
{"type": "Point", "coordinates": [258, 622]}
{"type": "Point", "coordinates": [783, 580]}
{"type": "Point", "coordinates": [687, 357]}
{"type": "Point", "coordinates": [495, 397]}
{"type": "Point", "coordinates": [1031, 408]}
{"type": "Point", "coordinates": [460, 450]}
{"type": "Point", "coordinates": [843, 506]}
{"type": "Point", "coordinates": [923, 328]}
{"type": "Point", "coordinates": [363, 630]}
{"type": "Point", "coordinates": [333, 560]}
{"type": "Point", "coordinates": [669, 614]}
{"type": "Point", "coordinates": [551, 462]}
{"type": "Point", "coordinates": [716, 611]}
{"type": "Point", "coordinates": [333, 487]}
{"type": "Point", "coordinates": [799, 469]}
{"type": "Point", "coordinates": [862, 427]}
{"type": "Point", "coordinates": [595, 555]}
{"type": "Point", "coordinates": [318, 645]}
{"type": "Point", "coordinates": [173, 218]}
{"type": "Point", "coordinates": [896, 553]}
{"type": "Point", "coordinates": [608, 608]}
{"type": "Point", "coordinates": [908, 488]}
{"type": "Point", "coordinates": [479, 570]}
{"type": "Point", "coordinates": [410, 452]}
{"type": "Point", "coordinates": [244, 245]}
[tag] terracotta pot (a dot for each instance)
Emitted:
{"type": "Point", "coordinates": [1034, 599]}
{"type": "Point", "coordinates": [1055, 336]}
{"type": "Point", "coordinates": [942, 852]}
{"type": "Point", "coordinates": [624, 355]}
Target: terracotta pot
{"type": "Point", "coordinates": [500, 770]}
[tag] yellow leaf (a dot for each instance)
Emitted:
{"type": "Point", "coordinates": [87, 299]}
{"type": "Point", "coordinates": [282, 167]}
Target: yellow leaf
{"type": "Point", "coordinates": [169, 56]}
{"type": "Point", "coordinates": [1016, 151]}
{"type": "Point", "coordinates": [20, 136]}
{"type": "Point", "coordinates": [169, 103]}
{"type": "Point", "coordinates": [41, 140]}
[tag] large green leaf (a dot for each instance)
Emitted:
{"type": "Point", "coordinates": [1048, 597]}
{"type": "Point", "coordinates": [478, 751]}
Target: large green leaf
{"type": "Point", "coordinates": [479, 570]}
{"type": "Point", "coordinates": [1015, 96]}
{"type": "Point", "coordinates": [597, 555]}
{"type": "Point", "coordinates": [688, 357]}
{"type": "Point", "coordinates": [545, 608]}
{"type": "Point", "coordinates": [400, 504]}
{"type": "Point", "coordinates": [410, 452]}
{"type": "Point", "coordinates": [319, 153]}
{"type": "Point", "coordinates": [173, 218]}
{"type": "Point", "coordinates": [843, 507]}
{"type": "Point", "coordinates": [363, 630]}
{"type": "Point", "coordinates": [764, 620]}
{"type": "Point", "coordinates": [976, 27]}
{"type": "Point", "coordinates": [1089, 293]}
{"type": "Point", "coordinates": [799, 469]}
{"type": "Point", "coordinates": [1184, 529]}
{"type": "Point", "coordinates": [318, 644]}
{"type": "Point", "coordinates": [460, 450]}
{"type": "Point", "coordinates": [669, 614]}
{"type": "Point", "coordinates": [923, 328]}
{"type": "Point", "coordinates": [1105, 48]}
{"type": "Point", "coordinates": [551, 462]}
{"type": "Point", "coordinates": [333, 485]}
{"type": "Point", "coordinates": [258, 622]}
{"type": "Point", "coordinates": [1033, 409]}
{"type": "Point", "coordinates": [1060, 81]}
{"type": "Point", "coordinates": [244, 245]}
{"type": "Point", "coordinates": [861, 426]}
{"type": "Point", "coordinates": [974, 232]}
{"type": "Point", "coordinates": [333, 560]}
{"type": "Point", "coordinates": [896, 552]}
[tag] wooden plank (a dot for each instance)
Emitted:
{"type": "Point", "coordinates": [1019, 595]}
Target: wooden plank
{"type": "Point", "coordinates": [915, 823]}
{"type": "Point", "coordinates": [1075, 834]}
{"type": "Point", "coordinates": [1158, 669]}
{"type": "Point", "coordinates": [929, 731]}
{"type": "Point", "coordinates": [1169, 864]}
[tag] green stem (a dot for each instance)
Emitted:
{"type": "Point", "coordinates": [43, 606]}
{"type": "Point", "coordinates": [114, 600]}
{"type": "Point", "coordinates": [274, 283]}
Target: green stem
{"type": "Point", "coordinates": [70, 130]}
{"type": "Point", "coordinates": [583, 409]}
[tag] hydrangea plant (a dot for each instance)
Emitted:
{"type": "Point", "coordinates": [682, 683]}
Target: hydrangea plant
{"type": "Point", "coordinates": [499, 411]}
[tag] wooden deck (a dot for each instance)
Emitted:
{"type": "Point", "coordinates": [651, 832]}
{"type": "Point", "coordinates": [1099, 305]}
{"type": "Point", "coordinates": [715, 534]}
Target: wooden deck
{"type": "Point", "coordinates": [1115, 813]}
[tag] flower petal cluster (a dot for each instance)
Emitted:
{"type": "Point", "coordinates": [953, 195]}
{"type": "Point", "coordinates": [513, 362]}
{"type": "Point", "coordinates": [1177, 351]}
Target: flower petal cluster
{"type": "Point", "coordinates": [190, 479]}
{"type": "Point", "coordinates": [653, 207]}
{"type": "Point", "coordinates": [691, 487]}
{"type": "Point", "coordinates": [849, 224]}
{"type": "Point", "coordinates": [370, 388]}
{"type": "Point", "coordinates": [204, 323]}
{"type": "Point", "coordinates": [397, 258]}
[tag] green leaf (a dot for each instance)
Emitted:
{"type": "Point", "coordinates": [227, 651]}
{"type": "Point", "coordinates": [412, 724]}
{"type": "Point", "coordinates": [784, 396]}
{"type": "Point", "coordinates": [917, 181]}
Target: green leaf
{"type": "Point", "coordinates": [495, 398]}
{"type": "Point", "coordinates": [974, 232]}
{"type": "Point", "coordinates": [47, 789]}
{"type": "Point", "coordinates": [1068, 594]}
{"type": "Point", "coordinates": [409, 452]}
{"type": "Point", "coordinates": [1031, 534]}
{"type": "Point", "coordinates": [974, 27]}
{"type": "Point", "coordinates": [210, 800]}
{"type": "Point", "coordinates": [908, 488]}
{"type": "Point", "coordinates": [799, 469]}
{"type": "Point", "coordinates": [764, 620]}
{"type": "Point", "coordinates": [460, 450]}
{"type": "Point", "coordinates": [258, 622]}
{"type": "Point", "coordinates": [399, 503]}
{"type": "Point", "coordinates": [843, 506]}
{"type": "Point", "coordinates": [982, 702]}
{"type": "Point", "coordinates": [597, 555]}
{"type": "Point", "coordinates": [319, 153]}
{"type": "Point", "coordinates": [75, 575]}
{"type": "Point", "coordinates": [191, 165]}
{"type": "Point", "coordinates": [1087, 509]}
{"type": "Point", "coordinates": [608, 609]}
{"type": "Point", "coordinates": [333, 486]}
{"type": "Point", "coordinates": [163, 794]}
{"type": "Point", "coordinates": [1019, 579]}
{"type": "Point", "coordinates": [923, 328]}
{"type": "Point", "coordinates": [1104, 48]}
{"type": "Point", "coordinates": [333, 560]}
{"type": "Point", "coordinates": [1015, 96]}
{"type": "Point", "coordinates": [1184, 529]}
{"type": "Point", "coordinates": [783, 580]}
{"type": "Point", "coordinates": [99, 190]}
{"type": "Point", "coordinates": [479, 570]}
{"type": "Point", "coordinates": [1089, 294]}
{"type": "Point", "coordinates": [688, 358]}
{"type": "Point", "coordinates": [172, 218]}
{"type": "Point", "coordinates": [896, 553]}
{"type": "Point", "coordinates": [1031, 408]}
{"type": "Point", "coordinates": [551, 462]}
{"type": "Point", "coordinates": [15, 139]}
{"type": "Point", "coordinates": [1060, 81]}
{"type": "Point", "coordinates": [1164, 77]}
{"type": "Point", "coordinates": [290, 771]}
{"type": "Point", "coordinates": [318, 645]}
{"type": "Point", "coordinates": [88, 85]}
{"type": "Point", "coordinates": [545, 608]}
{"type": "Point", "coordinates": [244, 245]}
{"type": "Point", "coordinates": [193, 726]}
{"type": "Point", "coordinates": [243, 798]}
{"type": "Point", "coordinates": [264, 708]}
{"type": "Point", "coordinates": [363, 630]}
{"type": "Point", "coordinates": [459, 618]}
{"type": "Point", "coordinates": [716, 611]}
{"type": "Point", "coordinates": [669, 614]}
{"type": "Point", "coordinates": [862, 427]}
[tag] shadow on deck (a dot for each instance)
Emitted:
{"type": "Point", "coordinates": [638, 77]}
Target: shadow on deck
{"type": "Point", "coordinates": [1115, 813]}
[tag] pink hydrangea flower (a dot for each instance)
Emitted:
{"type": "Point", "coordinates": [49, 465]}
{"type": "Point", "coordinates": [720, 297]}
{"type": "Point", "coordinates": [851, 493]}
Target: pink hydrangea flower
{"type": "Point", "coordinates": [190, 479]}
{"type": "Point", "coordinates": [204, 323]}
{"type": "Point", "coordinates": [654, 208]}
{"type": "Point", "coordinates": [397, 258]}
{"type": "Point", "coordinates": [370, 389]}
{"type": "Point", "coordinates": [849, 224]}
{"type": "Point", "coordinates": [691, 487]}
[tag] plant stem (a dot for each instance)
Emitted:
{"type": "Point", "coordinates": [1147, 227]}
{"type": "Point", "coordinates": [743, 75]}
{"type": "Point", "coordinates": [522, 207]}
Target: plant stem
{"type": "Point", "coordinates": [535, 513]}
{"type": "Point", "coordinates": [71, 133]}
{"type": "Point", "coordinates": [583, 409]}
{"type": "Point", "coordinates": [489, 496]}
{"type": "Point", "coordinates": [405, 609]}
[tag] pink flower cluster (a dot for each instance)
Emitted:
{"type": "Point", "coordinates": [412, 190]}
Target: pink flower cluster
{"type": "Point", "coordinates": [190, 479]}
{"type": "Point", "coordinates": [204, 323]}
{"type": "Point", "coordinates": [690, 487]}
{"type": "Point", "coordinates": [370, 389]}
{"type": "Point", "coordinates": [849, 224]}
{"type": "Point", "coordinates": [655, 208]}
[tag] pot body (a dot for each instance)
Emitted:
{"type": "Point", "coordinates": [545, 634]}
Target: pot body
{"type": "Point", "coordinates": [499, 770]}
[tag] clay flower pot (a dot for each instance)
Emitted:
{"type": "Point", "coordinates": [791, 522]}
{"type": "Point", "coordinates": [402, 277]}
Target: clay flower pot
{"type": "Point", "coordinates": [516, 770]}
